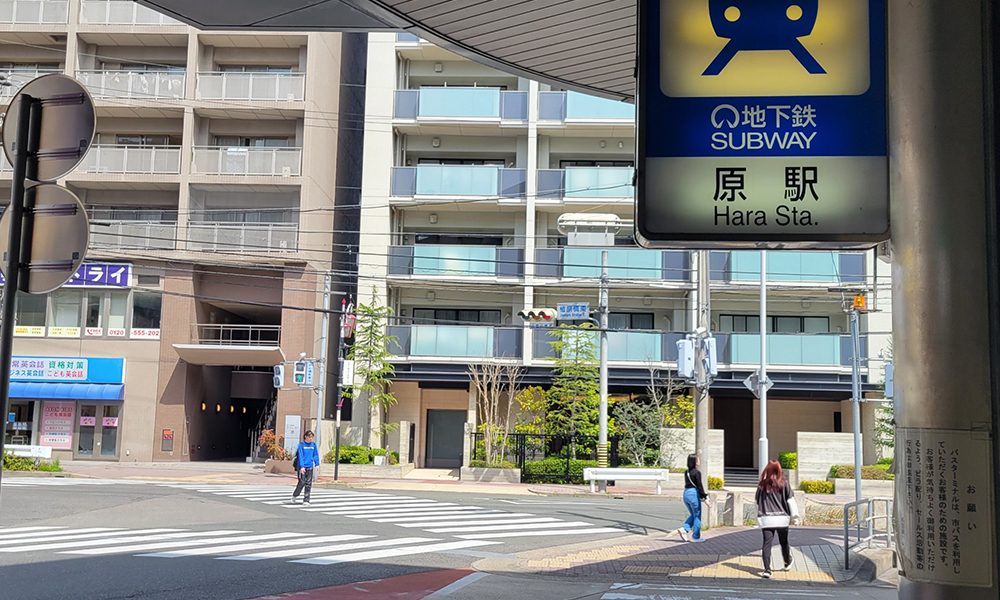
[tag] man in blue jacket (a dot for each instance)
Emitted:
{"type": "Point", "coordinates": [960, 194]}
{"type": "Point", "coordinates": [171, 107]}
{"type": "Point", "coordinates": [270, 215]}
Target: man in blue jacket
{"type": "Point", "coordinates": [308, 460]}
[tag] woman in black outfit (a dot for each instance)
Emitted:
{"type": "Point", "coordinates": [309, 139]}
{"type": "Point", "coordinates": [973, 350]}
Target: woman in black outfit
{"type": "Point", "coordinates": [694, 494]}
{"type": "Point", "coordinates": [776, 510]}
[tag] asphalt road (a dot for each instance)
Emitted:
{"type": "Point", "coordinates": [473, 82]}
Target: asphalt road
{"type": "Point", "coordinates": [118, 540]}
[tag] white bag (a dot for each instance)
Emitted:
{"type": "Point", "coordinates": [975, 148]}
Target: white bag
{"type": "Point", "coordinates": [773, 521]}
{"type": "Point", "coordinates": [793, 508]}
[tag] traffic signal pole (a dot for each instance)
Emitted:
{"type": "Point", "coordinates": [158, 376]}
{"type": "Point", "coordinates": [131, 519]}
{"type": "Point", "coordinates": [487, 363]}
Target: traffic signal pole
{"type": "Point", "coordinates": [701, 363]}
{"type": "Point", "coordinates": [340, 387]}
{"type": "Point", "coordinates": [602, 435]}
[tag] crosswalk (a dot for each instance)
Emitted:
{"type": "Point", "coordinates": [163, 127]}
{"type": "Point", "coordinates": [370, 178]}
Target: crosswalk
{"type": "Point", "coordinates": [429, 516]}
{"type": "Point", "coordinates": [224, 544]}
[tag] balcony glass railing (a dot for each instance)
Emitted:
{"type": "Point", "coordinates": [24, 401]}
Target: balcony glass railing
{"type": "Point", "coordinates": [145, 235]}
{"type": "Point", "coordinates": [789, 266]}
{"type": "Point", "coordinates": [260, 87]}
{"type": "Point", "coordinates": [455, 341]}
{"type": "Point", "coordinates": [404, 37]}
{"type": "Point", "coordinates": [34, 12]}
{"type": "Point", "coordinates": [456, 261]}
{"type": "Point", "coordinates": [669, 265]}
{"type": "Point", "coordinates": [586, 182]}
{"type": "Point", "coordinates": [135, 85]}
{"type": "Point", "coordinates": [458, 180]}
{"type": "Point", "coordinates": [19, 77]}
{"type": "Point", "coordinates": [623, 346]}
{"type": "Point", "coordinates": [243, 237]}
{"type": "Point", "coordinates": [794, 349]}
{"type": "Point", "coordinates": [461, 103]}
{"type": "Point", "coordinates": [236, 335]}
{"type": "Point", "coordinates": [121, 12]}
{"type": "Point", "coordinates": [144, 160]}
{"type": "Point", "coordinates": [257, 162]}
{"type": "Point", "coordinates": [573, 106]}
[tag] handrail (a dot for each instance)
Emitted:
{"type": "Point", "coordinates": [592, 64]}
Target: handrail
{"type": "Point", "coordinates": [867, 521]}
{"type": "Point", "coordinates": [236, 335]}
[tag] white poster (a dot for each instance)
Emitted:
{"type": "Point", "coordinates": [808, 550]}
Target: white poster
{"type": "Point", "coordinates": [293, 432]}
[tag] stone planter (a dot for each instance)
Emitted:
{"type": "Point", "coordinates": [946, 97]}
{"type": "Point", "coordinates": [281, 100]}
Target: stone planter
{"type": "Point", "coordinates": [485, 475]}
{"type": "Point", "coordinates": [870, 488]}
{"type": "Point", "coordinates": [367, 471]}
{"type": "Point", "coordinates": [278, 467]}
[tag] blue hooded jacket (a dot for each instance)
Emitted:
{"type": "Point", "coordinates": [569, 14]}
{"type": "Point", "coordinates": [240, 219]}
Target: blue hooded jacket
{"type": "Point", "coordinates": [308, 455]}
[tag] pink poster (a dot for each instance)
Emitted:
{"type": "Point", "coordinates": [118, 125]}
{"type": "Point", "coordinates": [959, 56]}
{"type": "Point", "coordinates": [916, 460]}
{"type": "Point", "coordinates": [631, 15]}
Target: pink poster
{"type": "Point", "coordinates": [88, 421]}
{"type": "Point", "coordinates": [57, 424]}
{"type": "Point", "coordinates": [109, 422]}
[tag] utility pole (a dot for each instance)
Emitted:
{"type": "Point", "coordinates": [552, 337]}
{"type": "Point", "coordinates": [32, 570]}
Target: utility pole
{"type": "Point", "coordinates": [701, 362]}
{"type": "Point", "coordinates": [340, 387]}
{"type": "Point", "coordinates": [602, 436]}
{"type": "Point", "coordinates": [762, 444]}
{"type": "Point", "coordinates": [321, 387]}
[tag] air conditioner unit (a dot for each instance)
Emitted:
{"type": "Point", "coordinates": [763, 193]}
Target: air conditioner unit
{"type": "Point", "coordinates": [286, 171]}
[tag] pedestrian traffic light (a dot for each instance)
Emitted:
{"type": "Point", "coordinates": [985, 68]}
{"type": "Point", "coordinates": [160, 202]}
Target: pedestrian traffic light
{"type": "Point", "coordinates": [538, 315]}
{"type": "Point", "coordinates": [299, 373]}
{"type": "Point", "coordinates": [279, 377]}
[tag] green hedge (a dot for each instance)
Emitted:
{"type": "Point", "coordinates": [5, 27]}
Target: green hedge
{"type": "Point", "coordinates": [714, 483]}
{"type": "Point", "coordinates": [17, 463]}
{"type": "Point", "coordinates": [885, 461]}
{"type": "Point", "coordinates": [816, 487]}
{"type": "Point", "coordinates": [873, 472]}
{"type": "Point", "coordinates": [789, 460]}
{"type": "Point", "coordinates": [393, 457]}
{"type": "Point", "coordinates": [482, 464]}
{"type": "Point", "coordinates": [558, 465]}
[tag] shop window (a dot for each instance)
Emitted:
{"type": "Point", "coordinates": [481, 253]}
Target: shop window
{"type": "Point", "coordinates": [95, 313]}
{"type": "Point", "coordinates": [146, 310]}
{"type": "Point", "coordinates": [66, 308]}
{"type": "Point", "coordinates": [30, 310]}
{"type": "Point", "coordinates": [118, 310]}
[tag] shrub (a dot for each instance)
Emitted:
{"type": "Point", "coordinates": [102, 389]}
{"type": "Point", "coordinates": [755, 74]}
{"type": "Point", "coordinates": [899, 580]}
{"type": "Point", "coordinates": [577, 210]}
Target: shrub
{"type": "Point", "coordinates": [549, 466]}
{"type": "Point", "coordinates": [714, 483]}
{"type": "Point", "coordinates": [17, 463]}
{"type": "Point", "coordinates": [678, 470]}
{"type": "Point", "coordinates": [51, 467]}
{"type": "Point", "coordinates": [482, 464]}
{"type": "Point", "coordinates": [873, 472]}
{"type": "Point", "coordinates": [885, 461]}
{"type": "Point", "coordinates": [377, 452]}
{"type": "Point", "coordinates": [393, 457]}
{"type": "Point", "coordinates": [789, 460]}
{"type": "Point", "coordinates": [355, 455]}
{"type": "Point", "coordinates": [816, 487]}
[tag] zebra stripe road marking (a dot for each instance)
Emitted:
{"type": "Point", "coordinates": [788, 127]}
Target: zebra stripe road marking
{"type": "Point", "coordinates": [181, 544]}
{"type": "Point", "coordinates": [394, 553]}
{"type": "Point", "coordinates": [326, 549]}
{"type": "Point", "coordinates": [510, 534]}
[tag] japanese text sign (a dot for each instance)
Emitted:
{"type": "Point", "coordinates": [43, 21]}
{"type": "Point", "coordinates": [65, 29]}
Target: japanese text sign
{"type": "Point", "coordinates": [57, 424]}
{"type": "Point", "coordinates": [762, 124]}
{"type": "Point", "coordinates": [573, 311]}
{"type": "Point", "coordinates": [98, 275]}
{"type": "Point", "coordinates": [48, 369]}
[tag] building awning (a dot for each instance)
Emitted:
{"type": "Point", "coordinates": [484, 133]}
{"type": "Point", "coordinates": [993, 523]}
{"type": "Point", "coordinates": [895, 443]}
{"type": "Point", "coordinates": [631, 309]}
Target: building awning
{"type": "Point", "coordinates": [222, 355]}
{"type": "Point", "coordinates": [67, 391]}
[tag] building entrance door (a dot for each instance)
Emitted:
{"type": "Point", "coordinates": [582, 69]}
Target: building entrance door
{"type": "Point", "coordinates": [97, 431]}
{"type": "Point", "coordinates": [445, 429]}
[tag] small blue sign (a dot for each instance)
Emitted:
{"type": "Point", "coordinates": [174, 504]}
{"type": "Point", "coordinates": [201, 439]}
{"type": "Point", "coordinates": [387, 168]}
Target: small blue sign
{"type": "Point", "coordinates": [310, 367]}
{"type": "Point", "coordinates": [762, 122]}
{"type": "Point", "coordinates": [573, 311]}
{"type": "Point", "coordinates": [11, 417]}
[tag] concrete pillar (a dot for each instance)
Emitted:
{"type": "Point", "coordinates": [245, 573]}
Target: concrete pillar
{"type": "Point", "coordinates": [944, 226]}
{"type": "Point", "coordinates": [404, 443]}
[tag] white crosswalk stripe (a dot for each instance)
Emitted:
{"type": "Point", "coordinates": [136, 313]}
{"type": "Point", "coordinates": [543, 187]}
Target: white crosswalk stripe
{"type": "Point", "coordinates": [305, 548]}
{"type": "Point", "coordinates": [432, 516]}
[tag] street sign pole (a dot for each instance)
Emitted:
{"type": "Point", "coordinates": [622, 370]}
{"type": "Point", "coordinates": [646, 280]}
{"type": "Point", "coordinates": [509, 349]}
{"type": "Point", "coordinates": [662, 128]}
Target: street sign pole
{"type": "Point", "coordinates": [762, 445]}
{"type": "Point", "coordinates": [28, 128]}
{"type": "Point", "coordinates": [602, 418]}
{"type": "Point", "coordinates": [856, 400]}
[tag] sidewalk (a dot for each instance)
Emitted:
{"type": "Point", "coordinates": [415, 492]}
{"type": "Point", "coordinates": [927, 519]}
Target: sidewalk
{"type": "Point", "coordinates": [727, 553]}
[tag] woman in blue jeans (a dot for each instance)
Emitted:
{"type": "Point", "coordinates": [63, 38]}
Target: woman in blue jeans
{"type": "Point", "coordinates": [694, 494]}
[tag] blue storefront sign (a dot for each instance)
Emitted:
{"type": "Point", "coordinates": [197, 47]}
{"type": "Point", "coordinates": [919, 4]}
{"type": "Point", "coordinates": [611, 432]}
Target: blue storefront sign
{"type": "Point", "coordinates": [98, 275]}
{"type": "Point", "coordinates": [762, 123]}
{"type": "Point", "coordinates": [67, 369]}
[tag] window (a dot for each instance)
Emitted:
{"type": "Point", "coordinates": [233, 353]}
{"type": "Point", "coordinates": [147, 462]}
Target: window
{"type": "Point", "coordinates": [148, 280]}
{"type": "Point", "coordinates": [253, 69]}
{"type": "Point", "coordinates": [142, 68]}
{"type": "Point", "coordinates": [563, 164]}
{"type": "Point", "coordinates": [146, 310]}
{"type": "Point", "coordinates": [751, 324]}
{"type": "Point", "coordinates": [118, 310]}
{"type": "Point", "coordinates": [739, 324]}
{"type": "Point", "coordinates": [630, 320]}
{"type": "Point", "coordinates": [66, 308]}
{"type": "Point", "coordinates": [30, 310]}
{"type": "Point", "coordinates": [95, 312]}
{"type": "Point", "coordinates": [235, 141]}
{"type": "Point", "coordinates": [446, 316]}
{"type": "Point", "coordinates": [496, 162]}
{"type": "Point", "coordinates": [458, 239]}
{"type": "Point", "coordinates": [147, 140]}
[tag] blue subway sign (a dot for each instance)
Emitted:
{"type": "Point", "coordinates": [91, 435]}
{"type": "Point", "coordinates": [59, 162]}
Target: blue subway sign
{"type": "Point", "coordinates": [762, 124]}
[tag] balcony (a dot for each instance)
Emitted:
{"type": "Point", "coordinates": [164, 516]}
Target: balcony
{"type": "Point", "coordinates": [586, 182]}
{"type": "Point", "coordinates": [134, 85]}
{"type": "Point", "coordinates": [19, 77]}
{"type": "Point", "coordinates": [239, 238]}
{"type": "Point", "coordinates": [455, 341]}
{"type": "Point", "coordinates": [144, 235]}
{"type": "Point", "coordinates": [34, 12]}
{"type": "Point", "coordinates": [132, 160]}
{"type": "Point", "coordinates": [789, 267]}
{"type": "Point", "coordinates": [623, 263]}
{"type": "Point", "coordinates": [466, 103]}
{"type": "Point", "coordinates": [456, 261]}
{"type": "Point", "coordinates": [573, 106]}
{"type": "Point", "coordinates": [247, 162]}
{"type": "Point", "coordinates": [458, 180]}
{"type": "Point", "coordinates": [255, 87]}
{"type": "Point", "coordinates": [237, 335]}
{"type": "Point", "coordinates": [227, 345]}
{"type": "Point", "coordinates": [120, 12]}
{"type": "Point", "coordinates": [623, 346]}
{"type": "Point", "coordinates": [791, 349]}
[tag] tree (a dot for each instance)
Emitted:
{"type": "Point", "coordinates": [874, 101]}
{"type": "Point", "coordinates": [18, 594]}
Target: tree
{"type": "Point", "coordinates": [574, 396]}
{"type": "Point", "coordinates": [885, 418]}
{"type": "Point", "coordinates": [639, 421]}
{"type": "Point", "coordinates": [372, 366]}
{"type": "Point", "coordinates": [496, 385]}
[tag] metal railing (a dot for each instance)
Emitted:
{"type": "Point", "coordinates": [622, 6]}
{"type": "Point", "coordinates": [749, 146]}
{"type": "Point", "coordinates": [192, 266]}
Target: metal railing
{"type": "Point", "coordinates": [144, 160]}
{"type": "Point", "coordinates": [122, 12]}
{"type": "Point", "coordinates": [136, 85]}
{"type": "Point", "coordinates": [267, 162]}
{"type": "Point", "coordinates": [34, 12]}
{"type": "Point", "coordinates": [264, 86]}
{"type": "Point", "coordinates": [865, 516]}
{"type": "Point", "coordinates": [19, 77]}
{"type": "Point", "coordinates": [236, 335]}
{"type": "Point", "coordinates": [240, 238]}
{"type": "Point", "coordinates": [146, 235]}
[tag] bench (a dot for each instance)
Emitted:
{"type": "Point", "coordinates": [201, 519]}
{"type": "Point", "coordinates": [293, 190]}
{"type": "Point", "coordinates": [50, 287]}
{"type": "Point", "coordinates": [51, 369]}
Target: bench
{"type": "Point", "coordinates": [593, 475]}
{"type": "Point", "coordinates": [35, 452]}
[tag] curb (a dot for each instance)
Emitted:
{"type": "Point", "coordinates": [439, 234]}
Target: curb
{"type": "Point", "coordinates": [613, 495]}
{"type": "Point", "coordinates": [875, 562]}
{"type": "Point", "coordinates": [16, 474]}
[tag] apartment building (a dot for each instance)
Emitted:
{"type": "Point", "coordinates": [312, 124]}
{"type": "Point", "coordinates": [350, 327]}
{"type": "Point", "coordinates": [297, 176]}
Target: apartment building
{"type": "Point", "coordinates": [210, 188]}
{"type": "Point", "coordinates": [466, 172]}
